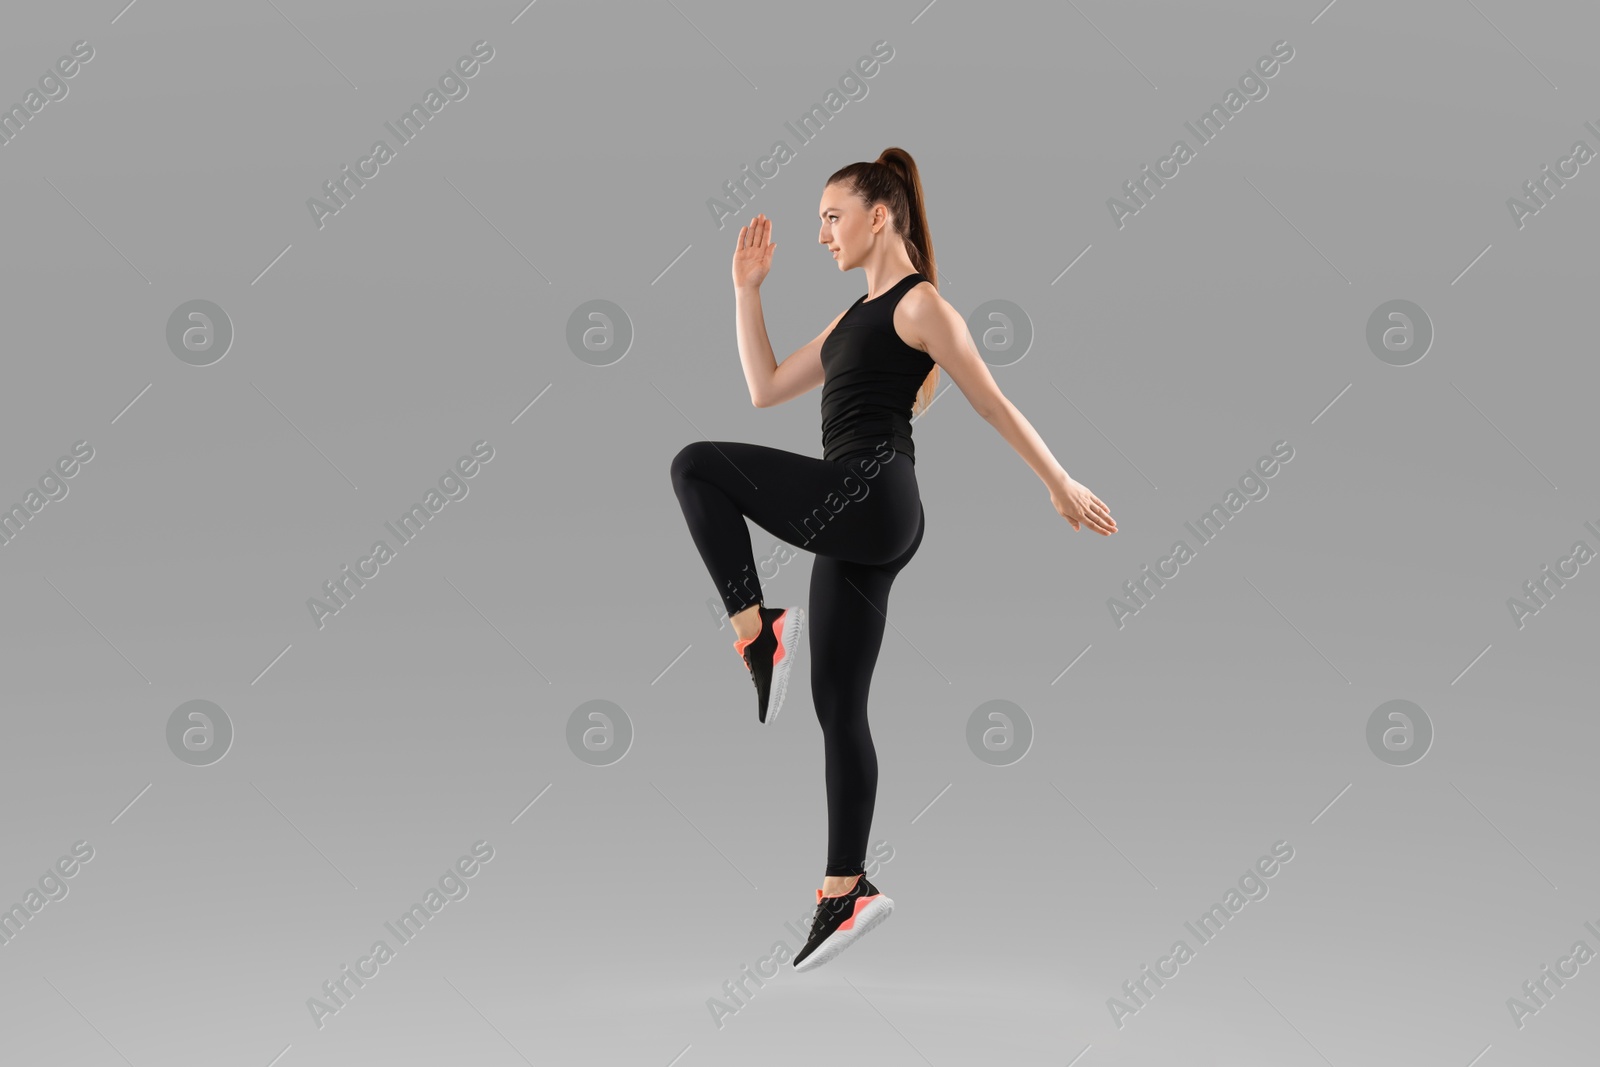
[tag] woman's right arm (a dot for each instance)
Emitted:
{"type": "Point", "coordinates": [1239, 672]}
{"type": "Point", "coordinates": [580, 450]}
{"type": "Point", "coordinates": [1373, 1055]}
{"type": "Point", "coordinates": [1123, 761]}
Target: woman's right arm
{"type": "Point", "coordinates": [769, 383]}
{"type": "Point", "coordinates": [772, 383]}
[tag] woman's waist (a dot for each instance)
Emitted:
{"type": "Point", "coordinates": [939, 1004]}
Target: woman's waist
{"type": "Point", "coordinates": [885, 449]}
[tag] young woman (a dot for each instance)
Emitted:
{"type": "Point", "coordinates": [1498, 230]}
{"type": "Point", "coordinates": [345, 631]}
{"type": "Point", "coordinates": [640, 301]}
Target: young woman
{"type": "Point", "coordinates": [858, 507]}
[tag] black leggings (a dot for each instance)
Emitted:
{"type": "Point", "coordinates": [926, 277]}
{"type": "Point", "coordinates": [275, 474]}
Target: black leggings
{"type": "Point", "coordinates": [862, 516]}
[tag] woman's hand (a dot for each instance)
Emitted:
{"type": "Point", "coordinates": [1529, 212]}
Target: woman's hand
{"type": "Point", "coordinates": [1079, 506]}
{"type": "Point", "coordinates": [752, 257]}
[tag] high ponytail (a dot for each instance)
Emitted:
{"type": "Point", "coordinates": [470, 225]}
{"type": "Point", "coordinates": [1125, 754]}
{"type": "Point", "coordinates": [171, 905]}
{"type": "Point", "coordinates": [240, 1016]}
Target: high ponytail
{"type": "Point", "coordinates": [893, 179]}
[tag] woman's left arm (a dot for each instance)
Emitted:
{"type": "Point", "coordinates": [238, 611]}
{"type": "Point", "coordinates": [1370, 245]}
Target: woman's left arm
{"type": "Point", "coordinates": [932, 325]}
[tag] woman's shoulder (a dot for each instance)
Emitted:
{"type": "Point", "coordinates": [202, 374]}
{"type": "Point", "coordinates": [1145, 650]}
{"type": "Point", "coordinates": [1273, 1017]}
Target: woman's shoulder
{"type": "Point", "coordinates": [922, 304]}
{"type": "Point", "coordinates": [923, 313]}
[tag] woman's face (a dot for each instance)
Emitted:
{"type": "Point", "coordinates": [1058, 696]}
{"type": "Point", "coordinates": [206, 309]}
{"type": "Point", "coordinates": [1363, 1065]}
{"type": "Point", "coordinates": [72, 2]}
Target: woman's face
{"type": "Point", "coordinates": [846, 226]}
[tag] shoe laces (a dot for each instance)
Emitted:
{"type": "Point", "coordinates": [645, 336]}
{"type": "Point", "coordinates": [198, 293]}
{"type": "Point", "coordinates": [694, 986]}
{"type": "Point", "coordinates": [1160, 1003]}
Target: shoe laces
{"type": "Point", "coordinates": [825, 911]}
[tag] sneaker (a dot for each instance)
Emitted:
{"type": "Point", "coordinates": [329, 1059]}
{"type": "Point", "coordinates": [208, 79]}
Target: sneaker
{"type": "Point", "coordinates": [840, 921]}
{"type": "Point", "coordinates": [770, 653]}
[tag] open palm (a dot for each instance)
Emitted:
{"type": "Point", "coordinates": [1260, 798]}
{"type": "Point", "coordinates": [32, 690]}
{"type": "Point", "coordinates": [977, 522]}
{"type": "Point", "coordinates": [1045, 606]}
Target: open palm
{"type": "Point", "coordinates": [752, 257]}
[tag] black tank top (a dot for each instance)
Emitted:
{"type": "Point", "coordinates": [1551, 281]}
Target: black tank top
{"type": "Point", "coordinates": [871, 377]}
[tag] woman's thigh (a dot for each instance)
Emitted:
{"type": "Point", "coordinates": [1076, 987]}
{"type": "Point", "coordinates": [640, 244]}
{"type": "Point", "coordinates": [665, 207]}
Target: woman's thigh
{"type": "Point", "coordinates": [860, 510]}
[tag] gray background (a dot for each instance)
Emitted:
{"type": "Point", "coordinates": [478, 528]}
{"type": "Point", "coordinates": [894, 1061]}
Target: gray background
{"type": "Point", "coordinates": [1231, 713]}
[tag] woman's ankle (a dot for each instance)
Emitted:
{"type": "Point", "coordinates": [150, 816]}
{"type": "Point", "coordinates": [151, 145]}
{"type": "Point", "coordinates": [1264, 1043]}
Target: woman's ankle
{"type": "Point", "coordinates": [839, 885]}
{"type": "Point", "coordinates": [746, 623]}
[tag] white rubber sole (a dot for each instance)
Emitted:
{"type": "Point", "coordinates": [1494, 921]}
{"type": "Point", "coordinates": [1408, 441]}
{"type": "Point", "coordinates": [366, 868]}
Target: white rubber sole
{"type": "Point", "coordinates": [871, 915]}
{"type": "Point", "coordinates": [780, 670]}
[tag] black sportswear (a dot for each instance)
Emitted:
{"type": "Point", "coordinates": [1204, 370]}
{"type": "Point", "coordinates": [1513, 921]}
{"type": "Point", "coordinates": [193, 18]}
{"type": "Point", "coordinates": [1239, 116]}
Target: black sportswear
{"type": "Point", "coordinates": [864, 520]}
{"type": "Point", "coordinates": [871, 377]}
{"type": "Point", "coordinates": [858, 509]}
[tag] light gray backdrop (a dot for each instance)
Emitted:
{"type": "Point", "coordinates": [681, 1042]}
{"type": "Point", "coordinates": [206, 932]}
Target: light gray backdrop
{"type": "Point", "coordinates": [1042, 851]}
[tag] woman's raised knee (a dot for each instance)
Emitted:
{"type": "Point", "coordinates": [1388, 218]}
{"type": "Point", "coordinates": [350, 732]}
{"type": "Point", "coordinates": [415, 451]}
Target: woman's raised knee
{"type": "Point", "coordinates": [683, 464]}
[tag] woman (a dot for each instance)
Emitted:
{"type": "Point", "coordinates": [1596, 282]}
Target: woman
{"type": "Point", "coordinates": [858, 507]}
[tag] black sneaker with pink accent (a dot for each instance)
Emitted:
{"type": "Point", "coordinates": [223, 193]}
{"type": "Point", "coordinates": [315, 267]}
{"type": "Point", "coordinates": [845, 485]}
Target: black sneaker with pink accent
{"type": "Point", "coordinates": [769, 655]}
{"type": "Point", "coordinates": [840, 921]}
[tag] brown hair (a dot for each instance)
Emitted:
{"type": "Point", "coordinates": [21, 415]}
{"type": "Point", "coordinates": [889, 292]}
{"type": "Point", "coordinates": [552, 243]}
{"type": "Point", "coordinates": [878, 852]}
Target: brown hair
{"type": "Point", "coordinates": [892, 179]}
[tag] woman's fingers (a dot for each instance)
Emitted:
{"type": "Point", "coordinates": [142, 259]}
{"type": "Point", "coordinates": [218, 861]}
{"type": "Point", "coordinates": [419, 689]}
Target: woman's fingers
{"type": "Point", "coordinates": [1098, 524]}
{"type": "Point", "coordinates": [757, 233]}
